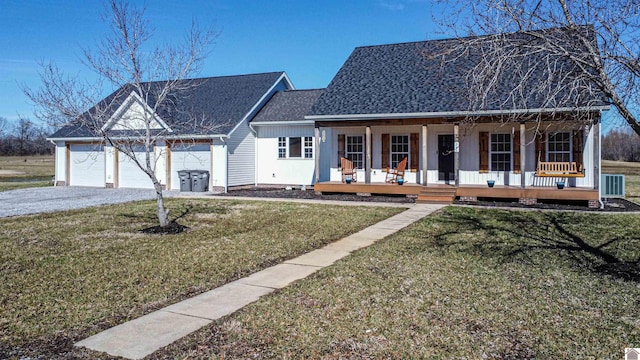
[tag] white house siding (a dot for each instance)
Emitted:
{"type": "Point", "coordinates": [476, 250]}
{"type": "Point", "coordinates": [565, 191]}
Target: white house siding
{"type": "Point", "coordinates": [61, 163]}
{"type": "Point", "coordinates": [273, 170]}
{"type": "Point", "coordinates": [189, 156]}
{"type": "Point", "coordinates": [241, 146]}
{"type": "Point", "coordinates": [241, 160]}
{"type": "Point", "coordinates": [87, 165]}
{"type": "Point", "coordinates": [469, 154]}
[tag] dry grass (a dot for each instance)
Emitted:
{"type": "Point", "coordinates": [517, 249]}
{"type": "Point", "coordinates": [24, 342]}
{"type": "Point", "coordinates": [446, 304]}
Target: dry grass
{"type": "Point", "coordinates": [68, 275]}
{"type": "Point", "coordinates": [19, 172]}
{"type": "Point", "coordinates": [631, 172]}
{"type": "Point", "coordinates": [464, 283]}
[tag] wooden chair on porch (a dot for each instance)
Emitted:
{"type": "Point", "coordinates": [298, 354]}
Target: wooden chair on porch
{"type": "Point", "coordinates": [348, 171]}
{"type": "Point", "coordinates": [398, 173]}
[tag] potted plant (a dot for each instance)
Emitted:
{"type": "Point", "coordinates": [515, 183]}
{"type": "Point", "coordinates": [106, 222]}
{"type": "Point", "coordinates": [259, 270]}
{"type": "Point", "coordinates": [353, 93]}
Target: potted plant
{"type": "Point", "coordinates": [491, 183]}
{"type": "Point", "coordinates": [560, 184]}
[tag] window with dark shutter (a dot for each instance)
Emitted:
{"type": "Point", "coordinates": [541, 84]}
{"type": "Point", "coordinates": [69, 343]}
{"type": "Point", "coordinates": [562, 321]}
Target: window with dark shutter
{"type": "Point", "coordinates": [483, 142]}
{"type": "Point", "coordinates": [414, 147]}
{"type": "Point", "coordinates": [516, 152]}
{"type": "Point", "coordinates": [386, 151]}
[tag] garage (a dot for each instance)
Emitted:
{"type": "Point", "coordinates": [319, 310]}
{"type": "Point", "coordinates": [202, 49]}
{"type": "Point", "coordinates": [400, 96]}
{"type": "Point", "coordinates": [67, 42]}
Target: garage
{"type": "Point", "coordinates": [189, 157]}
{"type": "Point", "coordinates": [86, 165]}
{"type": "Point", "coordinates": [129, 173]}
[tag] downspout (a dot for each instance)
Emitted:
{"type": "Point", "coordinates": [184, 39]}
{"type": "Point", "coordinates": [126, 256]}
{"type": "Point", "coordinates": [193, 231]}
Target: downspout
{"type": "Point", "coordinates": [255, 153]}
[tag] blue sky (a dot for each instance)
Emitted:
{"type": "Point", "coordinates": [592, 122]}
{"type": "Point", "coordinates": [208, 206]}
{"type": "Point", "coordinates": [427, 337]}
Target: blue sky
{"type": "Point", "coordinates": [308, 39]}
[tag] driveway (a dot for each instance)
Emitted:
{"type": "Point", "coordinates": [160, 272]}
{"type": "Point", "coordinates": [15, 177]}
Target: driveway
{"type": "Point", "coordinates": [50, 199]}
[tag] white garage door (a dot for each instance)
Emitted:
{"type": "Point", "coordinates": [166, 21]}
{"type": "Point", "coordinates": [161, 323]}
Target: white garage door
{"type": "Point", "coordinates": [129, 173]}
{"type": "Point", "coordinates": [189, 157]}
{"type": "Point", "coordinates": [87, 165]}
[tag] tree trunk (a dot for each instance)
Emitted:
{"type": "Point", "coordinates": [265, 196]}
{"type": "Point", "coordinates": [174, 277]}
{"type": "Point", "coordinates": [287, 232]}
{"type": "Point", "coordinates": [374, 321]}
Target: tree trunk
{"type": "Point", "coordinates": [163, 214]}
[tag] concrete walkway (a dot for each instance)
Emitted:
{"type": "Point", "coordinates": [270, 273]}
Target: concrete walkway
{"type": "Point", "coordinates": [140, 337]}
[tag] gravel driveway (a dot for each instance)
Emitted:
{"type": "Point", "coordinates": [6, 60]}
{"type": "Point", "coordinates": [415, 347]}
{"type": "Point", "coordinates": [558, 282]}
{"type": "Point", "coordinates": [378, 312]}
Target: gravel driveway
{"type": "Point", "coordinates": [50, 199]}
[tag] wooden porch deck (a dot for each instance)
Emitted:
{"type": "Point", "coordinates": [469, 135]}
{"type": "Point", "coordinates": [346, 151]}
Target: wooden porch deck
{"type": "Point", "coordinates": [373, 188]}
{"type": "Point", "coordinates": [468, 191]}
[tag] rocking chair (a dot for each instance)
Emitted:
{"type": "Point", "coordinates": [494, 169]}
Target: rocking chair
{"type": "Point", "coordinates": [398, 173]}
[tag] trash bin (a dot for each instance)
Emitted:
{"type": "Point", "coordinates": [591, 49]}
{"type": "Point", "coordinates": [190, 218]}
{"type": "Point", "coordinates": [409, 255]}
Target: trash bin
{"type": "Point", "coordinates": [185, 181]}
{"type": "Point", "coordinates": [199, 180]}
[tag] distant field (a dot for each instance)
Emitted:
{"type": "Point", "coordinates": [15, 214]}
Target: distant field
{"type": "Point", "coordinates": [18, 172]}
{"type": "Point", "coordinates": [630, 170]}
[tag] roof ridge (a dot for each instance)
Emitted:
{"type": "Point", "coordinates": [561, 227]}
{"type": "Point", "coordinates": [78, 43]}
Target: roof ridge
{"type": "Point", "coordinates": [214, 77]}
{"type": "Point", "coordinates": [469, 37]}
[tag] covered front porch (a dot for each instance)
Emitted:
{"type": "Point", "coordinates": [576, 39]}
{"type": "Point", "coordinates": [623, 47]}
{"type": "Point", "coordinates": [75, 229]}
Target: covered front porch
{"type": "Point", "coordinates": [450, 159]}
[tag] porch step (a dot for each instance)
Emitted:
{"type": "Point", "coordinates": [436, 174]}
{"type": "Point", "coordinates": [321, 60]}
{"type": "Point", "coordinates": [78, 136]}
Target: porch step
{"type": "Point", "coordinates": [436, 195]}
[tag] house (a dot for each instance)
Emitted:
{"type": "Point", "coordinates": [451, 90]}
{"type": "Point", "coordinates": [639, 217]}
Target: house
{"type": "Point", "coordinates": [399, 101]}
{"type": "Point", "coordinates": [387, 103]}
{"type": "Point", "coordinates": [205, 127]}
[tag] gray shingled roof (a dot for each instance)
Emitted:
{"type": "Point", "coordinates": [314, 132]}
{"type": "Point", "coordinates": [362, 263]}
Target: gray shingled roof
{"type": "Point", "coordinates": [400, 79]}
{"type": "Point", "coordinates": [288, 105]}
{"type": "Point", "coordinates": [218, 104]}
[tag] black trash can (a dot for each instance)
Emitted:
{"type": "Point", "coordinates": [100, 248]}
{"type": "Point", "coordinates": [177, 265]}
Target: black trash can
{"type": "Point", "coordinates": [185, 181]}
{"type": "Point", "coordinates": [199, 180]}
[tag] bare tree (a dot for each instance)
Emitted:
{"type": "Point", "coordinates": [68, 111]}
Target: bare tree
{"type": "Point", "coordinates": [151, 77]}
{"type": "Point", "coordinates": [24, 131]}
{"type": "Point", "coordinates": [563, 54]}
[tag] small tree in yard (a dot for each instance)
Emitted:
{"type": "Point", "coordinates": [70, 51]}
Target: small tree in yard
{"type": "Point", "coordinates": [573, 50]}
{"type": "Point", "coordinates": [125, 61]}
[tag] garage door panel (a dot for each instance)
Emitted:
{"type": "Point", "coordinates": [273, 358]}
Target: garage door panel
{"type": "Point", "coordinates": [129, 173]}
{"type": "Point", "coordinates": [189, 157]}
{"type": "Point", "coordinates": [87, 165]}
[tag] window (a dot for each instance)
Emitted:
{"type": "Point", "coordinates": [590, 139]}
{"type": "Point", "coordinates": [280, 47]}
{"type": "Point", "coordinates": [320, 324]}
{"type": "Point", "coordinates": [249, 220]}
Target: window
{"type": "Point", "coordinates": [308, 147]}
{"type": "Point", "coordinates": [355, 150]}
{"type": "Point", "coordinates": [295, 147]}
{"type": "Point", "coordinates": [282, 147]}
{"type": "Point", "coordinates": [501, 152]}
{"type": "Point", "coordinates": [559, 147]}
{"type": "Point", "coordinates": [399, 149]}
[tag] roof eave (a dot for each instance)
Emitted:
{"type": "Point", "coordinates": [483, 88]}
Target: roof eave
{"type": "Point", "coordinates": [168, 137]}
{"type": "Point", "coordinates": [451, 114]}
{"type": "Point", "coordinates": [283, 122]}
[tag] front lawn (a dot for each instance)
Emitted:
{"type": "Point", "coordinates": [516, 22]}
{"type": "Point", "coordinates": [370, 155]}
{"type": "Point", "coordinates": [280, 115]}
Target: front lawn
{"type": "Point", "coordinates": [67, 275]}
{"type": "Point", "coordinates": [462, 283]}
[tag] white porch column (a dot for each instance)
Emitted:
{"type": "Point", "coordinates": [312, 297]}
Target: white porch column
{"type": "Point", "coordinates": [424, 155]}
{"type": "Point", "coordinates": [456, 153]}
{"type": "Point", "coordinates": [523, 151]}
{"type": "Point", "coordinates": [317, 155]}
{"type": "Point", "coordinates": [596, 155]}
{"type": "Point", "coordinates": [367, 164]}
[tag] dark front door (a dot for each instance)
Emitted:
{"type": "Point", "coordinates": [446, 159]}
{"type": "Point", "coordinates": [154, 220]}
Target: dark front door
{"type": "Point", "coordinates": [445, 158]}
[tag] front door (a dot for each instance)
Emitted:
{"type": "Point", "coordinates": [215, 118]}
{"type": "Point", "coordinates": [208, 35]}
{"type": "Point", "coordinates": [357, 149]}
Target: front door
{"type": "Point", "coordinates": [445, 158]}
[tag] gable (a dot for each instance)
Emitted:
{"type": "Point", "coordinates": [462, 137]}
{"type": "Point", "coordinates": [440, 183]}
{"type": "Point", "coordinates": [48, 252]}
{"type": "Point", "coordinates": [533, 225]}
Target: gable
{"type": "Point", "coordinates": [211, 106]}
{"type": "Point", "coordinates": [133, 115]}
